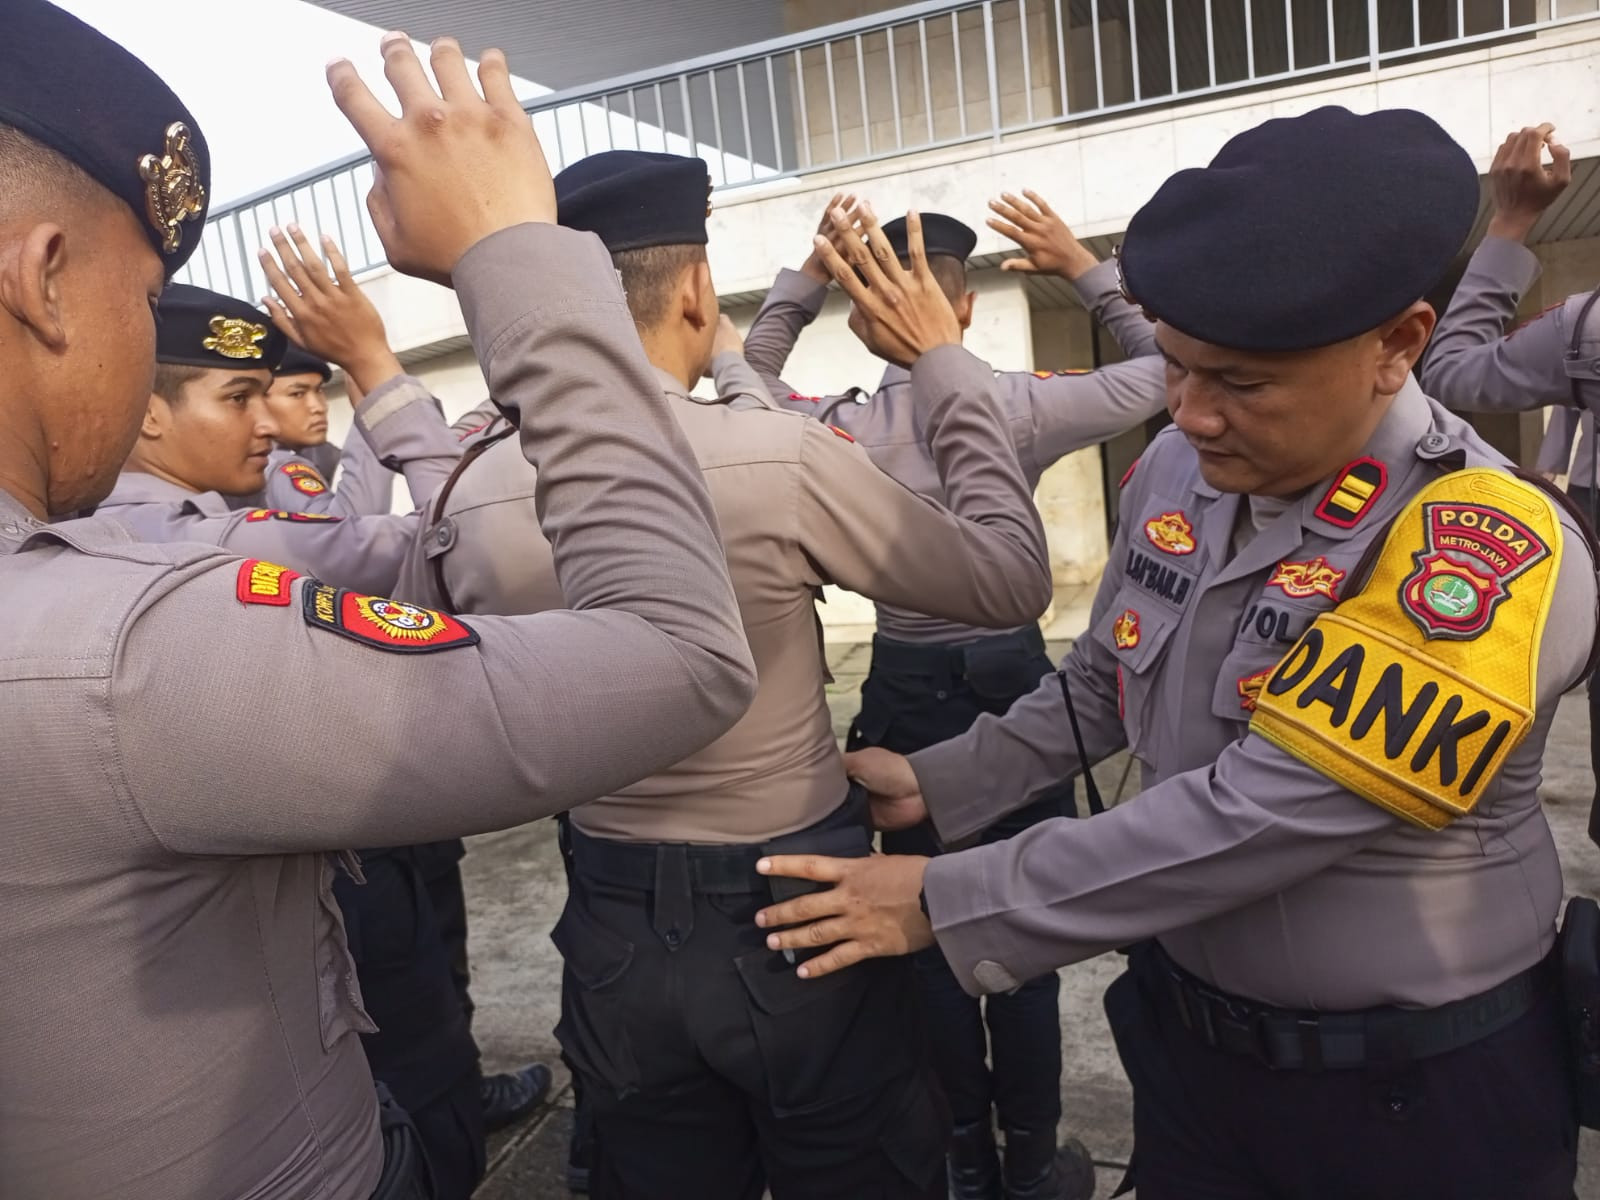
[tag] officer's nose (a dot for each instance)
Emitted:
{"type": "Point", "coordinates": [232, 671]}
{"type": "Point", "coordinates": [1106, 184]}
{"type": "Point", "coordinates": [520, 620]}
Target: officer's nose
{"type": "Point", "coordinates": [265, 425]}
{"type": "Point", "coordinates": [1195, 409]}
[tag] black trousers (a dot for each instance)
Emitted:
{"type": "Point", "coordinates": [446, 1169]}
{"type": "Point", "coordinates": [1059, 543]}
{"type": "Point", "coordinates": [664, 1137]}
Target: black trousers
{"type": "Point", "coordinates": [709, 1068]}
{"type": "Point", "coordinates": [423, 1051]}
{"type": "Point", "coordinates": [916, 696]}
{"type": "Point", "coordinates": [1493, 1120]}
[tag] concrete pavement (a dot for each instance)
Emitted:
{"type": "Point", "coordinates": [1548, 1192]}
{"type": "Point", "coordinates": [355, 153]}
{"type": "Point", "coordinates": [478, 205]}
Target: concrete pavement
{"type": "Point", "coordinates": [515, 889]}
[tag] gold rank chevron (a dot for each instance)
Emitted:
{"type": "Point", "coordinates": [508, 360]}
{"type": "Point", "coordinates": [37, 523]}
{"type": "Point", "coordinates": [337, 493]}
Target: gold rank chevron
{"type": "Point", "coordinates": [1414, 692]}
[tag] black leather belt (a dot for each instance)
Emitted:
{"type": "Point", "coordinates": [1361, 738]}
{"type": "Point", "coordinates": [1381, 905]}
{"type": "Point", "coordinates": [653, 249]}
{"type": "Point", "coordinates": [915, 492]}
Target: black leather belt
{"type": "Point", "coordinates": [1292, 1040]}
{"type": "Point", "coordinates": [891, 655]}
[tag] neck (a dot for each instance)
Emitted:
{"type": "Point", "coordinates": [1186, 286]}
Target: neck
{"type": "Point", "coordinates": [672, 355]}
{"type": "Point", "coordinates": [140, 466]}
{"type": "Point", "coordinates": [24, 474]}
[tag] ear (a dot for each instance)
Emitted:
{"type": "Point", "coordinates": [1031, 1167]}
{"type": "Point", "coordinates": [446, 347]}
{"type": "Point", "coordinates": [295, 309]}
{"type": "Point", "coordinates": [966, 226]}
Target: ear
{"type": "Point", "coordinates": [964, 310]}
{"type": "Point", "coordinates": [157, 418]}
{"type": "Point", "coordinates": [1401, 342]}
{"type": "Point", "coordinates": [30, 283]}
{"type": "Point", "coordinates": [696, 288]}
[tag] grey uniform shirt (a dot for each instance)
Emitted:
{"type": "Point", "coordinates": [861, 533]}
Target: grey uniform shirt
{"type": "Point", "coordinates": [799, 506]}
{"type": "Point", "coordinates": [1257, 873]}
{"type": "Point", "coordinates": [1474, 365]}
{"type": "Point", "coordinates": [1048, 415]}
{"type": "Point", "coordinates": [178, 1013]}
{"type": "Point", "coordinates": [1555, 451]}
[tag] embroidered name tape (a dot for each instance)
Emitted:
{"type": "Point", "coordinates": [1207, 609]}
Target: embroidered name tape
{"type": "Point", "coordinates": [1413, 693]}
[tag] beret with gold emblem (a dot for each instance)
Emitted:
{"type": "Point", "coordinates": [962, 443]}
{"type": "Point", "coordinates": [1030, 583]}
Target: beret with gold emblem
{"type": "Point", "coordinates": [634, 199]}
{"type": "Point", "coordinates": [1303, 231]}
{"type": "Point", "coordinates": [201, 328]}
{"type": "Point", "coordinates": [76, 92]}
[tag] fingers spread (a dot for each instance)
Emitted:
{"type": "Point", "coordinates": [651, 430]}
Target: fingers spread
{"type": "Point", "coordinates": [356, 101]}
{"type": "Point", "coordinates": [450, 70]}
{"type": "Point", "coordinates": [494, 76]}
{"type": "Point", "coordinates": [405, 74]}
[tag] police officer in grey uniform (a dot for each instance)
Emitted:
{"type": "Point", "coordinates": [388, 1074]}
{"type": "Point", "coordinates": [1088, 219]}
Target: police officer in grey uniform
{"type": "Point", "coordinates": [1568, 426]}
{"type": "Point", "coordinates": [930, 678]}
{"type": "Point", "coordinates": [708, 1069]}
{"type": "Point", "coordinates": [1339, 706]}
{"type": "Point", "coordinates": [177, 1015]}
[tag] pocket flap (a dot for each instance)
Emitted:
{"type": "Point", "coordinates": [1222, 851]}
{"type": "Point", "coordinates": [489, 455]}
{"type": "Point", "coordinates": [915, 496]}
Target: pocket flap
{"type": "Point", "coordinates": [595, 956]}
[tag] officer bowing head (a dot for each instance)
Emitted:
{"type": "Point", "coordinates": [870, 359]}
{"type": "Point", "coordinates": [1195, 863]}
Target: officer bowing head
{"type": "Point", "coordinates": [104, 182]}
{"type": "Point", "coordinates": [947, 242]}
{"type": "Point", "coordinates": [207, 427]}
{"type": "Point", "coordinates": [650, 210]}
{"type": "Point", "coordinates": [1285, 280]}
{"type": "Point", "coordinates": [297, 402]}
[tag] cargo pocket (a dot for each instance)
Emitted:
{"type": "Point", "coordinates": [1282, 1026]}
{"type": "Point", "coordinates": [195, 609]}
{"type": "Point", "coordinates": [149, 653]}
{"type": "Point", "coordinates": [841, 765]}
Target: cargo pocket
{"type": "Point", "coordinates": [1244, 673]}
{"type": "Point", "coordinates": [1137, 634]}
{"type": "Point", "coordinates": [339, 1005]}
{"type": "Point", "coordinates": [825, 1040]}
{"type": "Point", "coordinates": [593, 1030]}
{"type": "Point", "coordinates": [1002, 674]}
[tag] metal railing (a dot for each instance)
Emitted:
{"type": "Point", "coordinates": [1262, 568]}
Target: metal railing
{"type": "Point", "coordinates": [916, 78]}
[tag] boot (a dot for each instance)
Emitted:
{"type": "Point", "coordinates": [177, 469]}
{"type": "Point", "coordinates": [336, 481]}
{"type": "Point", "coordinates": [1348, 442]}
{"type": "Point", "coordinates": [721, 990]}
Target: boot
{"type": "Point", "coordinates": [973, 1163]}
{"type": "Point", "coordinates": [1037, 1170]}
{"type": "Point", "coordinates": [509, 1097]}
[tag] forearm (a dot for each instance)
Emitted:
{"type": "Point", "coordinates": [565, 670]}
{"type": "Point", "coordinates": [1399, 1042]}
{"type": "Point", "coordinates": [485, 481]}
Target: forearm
{"type": "Point", "coordinates": [1100, 291]}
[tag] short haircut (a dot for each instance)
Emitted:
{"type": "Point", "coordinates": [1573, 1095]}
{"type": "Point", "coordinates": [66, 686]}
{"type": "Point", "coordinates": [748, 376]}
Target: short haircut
{"type": "Point", "coordinates": [171, 378]}
{"type": "Point", "coordinates": [34, 174]}
{"type": "Point", "coordinates": [649, 277]}
{"type": "Point", "coordinates": [951, 274]}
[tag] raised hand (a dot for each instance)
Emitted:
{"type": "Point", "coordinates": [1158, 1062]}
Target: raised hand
{"type": "Point", "coordinates": [1049, 247]}
{"type": "Point", "coordinates": [1521, 186]}
{"type": "Point", "coordinates": [814, 266]}
{"type": "Point", "coordinates": [900, 313]}
{"type": "Point", "coordinates": [326, 314]}
{"type": "Point", "coordinates": [456, 166]}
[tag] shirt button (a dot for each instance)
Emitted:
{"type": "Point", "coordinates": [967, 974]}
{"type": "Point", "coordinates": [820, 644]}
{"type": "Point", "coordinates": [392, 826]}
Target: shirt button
{"type": "Point", "coordinates": [941, 694]}
{"type": "Point", "coordinates": [1434, 443]}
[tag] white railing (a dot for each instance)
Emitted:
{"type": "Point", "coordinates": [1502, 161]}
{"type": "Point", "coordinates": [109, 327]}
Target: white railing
{"type": "Point", "coordinates": [911, 79]}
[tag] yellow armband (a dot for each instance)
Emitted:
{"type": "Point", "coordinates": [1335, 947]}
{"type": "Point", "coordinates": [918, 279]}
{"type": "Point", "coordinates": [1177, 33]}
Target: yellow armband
{"type": "Point", "coordinates": [1413, 692]}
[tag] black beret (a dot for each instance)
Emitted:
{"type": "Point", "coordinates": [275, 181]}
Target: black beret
{"type": "Point", "coordinates": [634, 199]}
{"type": "Point", "coordinates": [298, 362]}
{"type": "Point", "coordinates": [1303, 231]}
{"type": "Point", "coordinates": [75, 91]}
{"type": "Point", "coordinates": [940, 235]}
{"type": "Point", "coordinates": [201, 328]}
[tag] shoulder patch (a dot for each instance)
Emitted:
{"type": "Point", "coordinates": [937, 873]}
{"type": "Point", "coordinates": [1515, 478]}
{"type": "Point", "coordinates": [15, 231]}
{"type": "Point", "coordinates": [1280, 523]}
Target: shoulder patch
{"type": "Point", "coordinates": [805, 399]}
{"type": "Point", "coordinates": [1057, 374]}
{"type": "Point", "coordinates": [278, 514]}
{"type": "Point", "coordinates": [262, 582]}
{"type": "Point", "coordinates": [841, 433]}
{"type": "Point", "coordinates": [304, 478]}
{"type": "Point", "coordinates": [1353, 493]}
{"type": "Point", "coordinates": [1128, 474]}
{"type": "Point", "coordinates": [1413, 692]}
{"type": "Point", "coordinates": [381, 622]}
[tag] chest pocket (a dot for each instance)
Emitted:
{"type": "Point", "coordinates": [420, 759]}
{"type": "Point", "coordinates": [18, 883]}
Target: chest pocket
{"type": "Point", "coordinates": [338, 994]}
{"type": "Point", "coordinates": [1138, 634]}
{"type": "Point", "coordinates": [1295, 594]}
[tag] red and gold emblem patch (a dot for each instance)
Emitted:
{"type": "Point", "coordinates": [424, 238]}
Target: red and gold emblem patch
{"type": "Point", "coordinates": [304, 478]}
{"type": "Point", "coordinates": [1170, 533]}
{"type": "Point", "coordinates": [1125, 630]}
{"type": "Point", "coordinates": [1473, 552]}
{"type": "Point", "coordinates": [1250, 687]}
{"type": "Point", "coordinates": [837, 432]}
{"type": "Point", "coordinates": [379, 621]}
{"type": "Point", "coordinates": [1314, 577]}
{"type": "Point", "coordinates": [278, 514]}
{"type": "Point", "coordinates": [1055, 374]}
{"type": "Point", "coordinates": [263, 582]}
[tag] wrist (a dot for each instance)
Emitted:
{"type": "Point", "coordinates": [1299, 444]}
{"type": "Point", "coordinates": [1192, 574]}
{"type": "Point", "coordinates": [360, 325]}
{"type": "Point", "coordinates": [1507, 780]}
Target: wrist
{"type": "Point", "coordinates": [1512, 226]}
{"type": "Point", "coordinates": [370, 371]}
{"type": "Point", "coordinates": [812, 268]}
{"type": "Point", "coordinates": [1077, 263]}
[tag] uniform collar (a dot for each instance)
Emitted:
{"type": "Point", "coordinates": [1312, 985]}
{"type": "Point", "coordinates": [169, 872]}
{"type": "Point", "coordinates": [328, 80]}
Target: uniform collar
{"type": "Point", "coordinates": [138, 487]}
{"type": "Point", "coordinates": [16, 523]}
{"type": "Point", "coordinates": [893, 376]}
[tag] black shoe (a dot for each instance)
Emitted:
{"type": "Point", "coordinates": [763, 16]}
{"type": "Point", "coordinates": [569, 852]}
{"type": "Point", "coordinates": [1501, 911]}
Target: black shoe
{"type": "Point", "coordinates": [512, 1095]}
{"type": "Point", "coordinates": [973, 1165]}
{"type": "Point", "coordinates": [1036, 1170]}
{"type": "Point", "coordinates": [577, 1179]}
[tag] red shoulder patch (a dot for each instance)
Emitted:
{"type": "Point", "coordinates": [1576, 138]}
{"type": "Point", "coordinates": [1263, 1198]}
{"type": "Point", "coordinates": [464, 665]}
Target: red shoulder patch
{"type": "Point", "coordinates": [806, 399]}
{"type": "Point", "coordinates": [1128, 474]}
{"type": "Point", "coordinates": [262, 582]}
{"type": "Point", "coordinates": [841, 433]}
{"type": "Point", "coordinates": [381, 622]}
{"type": "Point", "coordinates": [278, 514]}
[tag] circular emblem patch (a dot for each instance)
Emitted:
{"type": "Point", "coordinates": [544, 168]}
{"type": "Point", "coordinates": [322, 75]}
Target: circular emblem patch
{"type": "Point", "coordinates": [401, 620]}
{"type": "Point", "coordinates": [308, 485]}
{"type": "Point", "coordinates": [1451, 596]}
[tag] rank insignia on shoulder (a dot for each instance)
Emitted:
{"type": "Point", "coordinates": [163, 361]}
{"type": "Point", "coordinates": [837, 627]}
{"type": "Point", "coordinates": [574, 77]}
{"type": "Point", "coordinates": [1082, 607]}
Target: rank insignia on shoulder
{"type": "Point", "coordinates": [1353, 493]}
{"type": "Point", "coordinates": [1418, 712]}
{"type": "Point", "coordinates": [262, 582]}
{"type": "Point", "coordinates": [1472, 552]}
{"type": "Point", "coordinates": [278, 514]}
{"type": "Point", "coordinates": [837, 432]}
{"type": "Point", "coordinates": [1314, 577]}
{"type": "Point", "coordinates": [1250, 688]}
{"type": "Point", "coordinates": [1125, 630]}
{"type": "Point", "coordinates": [381, 622]}
{"type": "Point", "coordinates": [1170, 532]}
